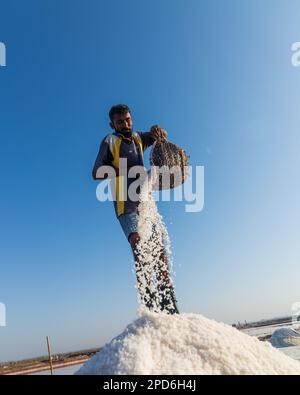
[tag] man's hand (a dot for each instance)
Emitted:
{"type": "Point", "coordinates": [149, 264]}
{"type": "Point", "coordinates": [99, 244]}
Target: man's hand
{"type": "Point", "coordinates": [158, 133]}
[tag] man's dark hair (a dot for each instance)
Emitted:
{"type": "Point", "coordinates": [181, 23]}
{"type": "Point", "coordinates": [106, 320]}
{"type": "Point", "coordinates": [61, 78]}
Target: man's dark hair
{"type": "Point", "coordinates": [118, 109]}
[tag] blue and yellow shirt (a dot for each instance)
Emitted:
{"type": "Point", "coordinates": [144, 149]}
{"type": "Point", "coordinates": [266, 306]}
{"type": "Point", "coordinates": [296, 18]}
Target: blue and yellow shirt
{"type": "Point", "coordinates": [112, 148]}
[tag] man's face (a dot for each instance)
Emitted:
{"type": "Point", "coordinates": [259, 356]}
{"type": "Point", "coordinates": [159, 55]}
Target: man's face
{"type": "Point", "coordinates": [122, 122]}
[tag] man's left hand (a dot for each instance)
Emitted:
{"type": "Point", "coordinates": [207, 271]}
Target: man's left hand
{"type": "Point", "coordinates": [158, 133]}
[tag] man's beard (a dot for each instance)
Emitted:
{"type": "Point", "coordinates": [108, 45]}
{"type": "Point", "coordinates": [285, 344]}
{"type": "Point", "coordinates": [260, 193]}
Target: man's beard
{"type": "Point", "coordinates": [126, 132]}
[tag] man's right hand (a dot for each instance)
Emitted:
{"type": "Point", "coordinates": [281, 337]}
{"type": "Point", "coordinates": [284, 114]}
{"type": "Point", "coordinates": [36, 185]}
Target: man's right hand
{"type": "Point", "coordinates": [158, 133]}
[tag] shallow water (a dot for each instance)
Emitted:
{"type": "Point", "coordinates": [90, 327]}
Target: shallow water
{"type": "Point", "coordinates": [68, 370]}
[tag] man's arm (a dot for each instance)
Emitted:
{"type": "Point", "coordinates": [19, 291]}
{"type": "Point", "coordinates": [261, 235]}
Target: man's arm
{"type": "Point", "coordinates": [147, 139]}
{"type": "Point", "coordinates": [104, 158]}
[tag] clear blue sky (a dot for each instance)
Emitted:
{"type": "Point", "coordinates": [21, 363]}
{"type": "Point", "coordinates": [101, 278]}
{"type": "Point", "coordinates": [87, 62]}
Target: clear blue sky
{"type": "Point", "coordinates": [218, 76]}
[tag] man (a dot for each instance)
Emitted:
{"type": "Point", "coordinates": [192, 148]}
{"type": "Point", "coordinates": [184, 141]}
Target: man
{"type": "Point", "coordinates": [122, 144]}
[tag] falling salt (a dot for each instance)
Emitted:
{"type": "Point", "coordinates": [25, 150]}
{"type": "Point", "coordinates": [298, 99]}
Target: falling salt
{"type": "Point", "coordinates": [154, 268]}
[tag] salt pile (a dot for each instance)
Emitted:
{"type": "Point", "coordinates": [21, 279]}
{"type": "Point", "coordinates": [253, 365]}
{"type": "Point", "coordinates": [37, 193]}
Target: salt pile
{"type": "Point", "coordinates": [285, 337]}
{"type": "Point", "coordinates": [186, 344]}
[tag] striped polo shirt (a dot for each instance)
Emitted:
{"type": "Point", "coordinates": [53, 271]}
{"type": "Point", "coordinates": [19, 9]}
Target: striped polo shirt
{"type": "Point", "coordinates": [115, 146]}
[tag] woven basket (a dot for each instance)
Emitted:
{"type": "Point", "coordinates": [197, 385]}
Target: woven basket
{"type": "Point", "coordinates": [171, 164]}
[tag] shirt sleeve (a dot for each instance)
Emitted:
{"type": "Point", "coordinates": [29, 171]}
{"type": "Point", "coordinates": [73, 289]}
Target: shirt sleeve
{"type": "Point", "coordinates": [146, 138]}
{"type": "Point", "coordinates": [104, 157]}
